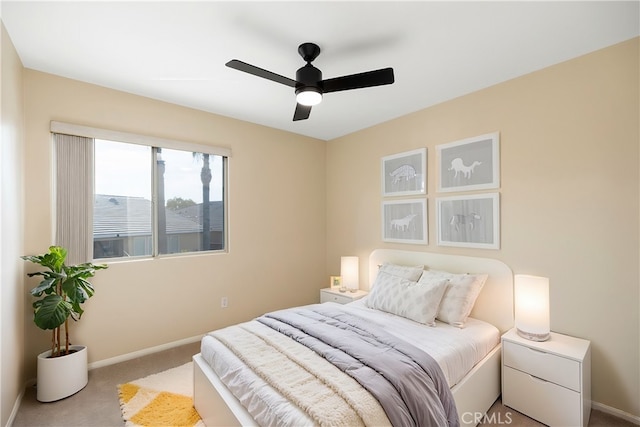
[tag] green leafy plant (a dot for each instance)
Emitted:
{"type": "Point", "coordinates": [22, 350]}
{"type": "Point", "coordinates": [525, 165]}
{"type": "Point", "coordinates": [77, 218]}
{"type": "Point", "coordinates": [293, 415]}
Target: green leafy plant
{"type": "Point", "coordinates": [61, 293]}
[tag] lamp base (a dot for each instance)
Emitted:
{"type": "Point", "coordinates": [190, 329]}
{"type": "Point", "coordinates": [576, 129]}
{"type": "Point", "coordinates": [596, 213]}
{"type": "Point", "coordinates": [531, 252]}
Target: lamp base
{"type": "Point", "coordinates": [531, 336]}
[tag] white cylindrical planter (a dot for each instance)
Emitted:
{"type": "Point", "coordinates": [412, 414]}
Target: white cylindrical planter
{"type": "Point", "coordinates": [60, 377]}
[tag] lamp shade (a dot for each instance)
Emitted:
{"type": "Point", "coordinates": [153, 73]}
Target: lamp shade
{"type": "Point", "coordinates": [532, 307]}
{"type": "Point", "coordinates": [349, 272]}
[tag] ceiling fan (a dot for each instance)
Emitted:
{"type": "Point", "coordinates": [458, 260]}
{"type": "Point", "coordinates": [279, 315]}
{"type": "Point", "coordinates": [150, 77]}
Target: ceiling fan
{"type": "Point", "coordinates": [309, 86]}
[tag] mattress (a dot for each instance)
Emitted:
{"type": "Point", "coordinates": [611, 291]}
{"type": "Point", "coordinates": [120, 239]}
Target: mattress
{"type": "Point", "coordinates": [456, 350]}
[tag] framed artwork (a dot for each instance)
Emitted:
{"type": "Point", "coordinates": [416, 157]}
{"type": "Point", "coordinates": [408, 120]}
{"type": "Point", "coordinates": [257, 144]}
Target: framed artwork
{"type": "Point", "coordinates": [405, 174]}
{"type": "Point", "coordinates": [405, 221]}
{"type": "Point", "coordinates": [469, 164]}
{"type": "Point", "coordinates": [335, 282]}
{"type": "Point", "coordinates": [471, 221]}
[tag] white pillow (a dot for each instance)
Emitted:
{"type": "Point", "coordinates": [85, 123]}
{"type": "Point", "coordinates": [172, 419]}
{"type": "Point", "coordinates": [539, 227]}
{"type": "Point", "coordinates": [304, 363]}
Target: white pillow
{"type": "Point", "coordinates": [406, 272]}
{"type": "Point", "coordinates": [402, 297]}
{"type": "Point", "coordinates": [436, 274]}
{"type": "Point", "coordinates": [460, 295]}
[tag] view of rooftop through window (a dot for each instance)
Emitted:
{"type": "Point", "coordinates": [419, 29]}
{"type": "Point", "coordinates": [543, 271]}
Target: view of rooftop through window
{"type": "Point", "coordinates": [125, 221]}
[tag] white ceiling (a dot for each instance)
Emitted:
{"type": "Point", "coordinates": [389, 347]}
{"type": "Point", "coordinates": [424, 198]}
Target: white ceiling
{"type": "Point", "coordinates": [176, 51]}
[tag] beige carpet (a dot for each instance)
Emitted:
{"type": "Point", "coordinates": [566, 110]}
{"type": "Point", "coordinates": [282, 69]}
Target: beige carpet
{"type": "Point", "coordinates": [158, 400]}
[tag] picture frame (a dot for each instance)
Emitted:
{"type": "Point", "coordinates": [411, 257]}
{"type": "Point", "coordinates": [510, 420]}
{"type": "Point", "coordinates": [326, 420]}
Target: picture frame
{"type": "Point", "coordinates": [335, 282]}
{"type": "Point", "coordinates": [405, 174]}
{"type": "Point", "coordinates": [405, 221]}
{"type": "Point", "coordinates": [470, 221]}
{"type": "Point", "coordinates": [469, 164]}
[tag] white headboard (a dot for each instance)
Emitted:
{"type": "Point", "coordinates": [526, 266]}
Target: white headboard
{"type": "Point", "coordinates": [495, 302]}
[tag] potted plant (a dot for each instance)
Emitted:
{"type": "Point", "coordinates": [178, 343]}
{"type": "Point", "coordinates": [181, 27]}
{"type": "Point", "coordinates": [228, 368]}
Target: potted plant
{"type": "Point", "coordinates": [62, 370]}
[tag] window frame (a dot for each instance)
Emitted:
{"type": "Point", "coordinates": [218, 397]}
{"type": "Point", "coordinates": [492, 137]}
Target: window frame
{"type": "Point", "coordinates": [155, 142]}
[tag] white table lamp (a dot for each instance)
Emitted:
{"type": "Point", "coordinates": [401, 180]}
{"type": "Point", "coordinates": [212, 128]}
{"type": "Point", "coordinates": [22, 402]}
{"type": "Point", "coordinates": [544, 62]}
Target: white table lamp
{"type": "Point", "coordinates": [532, 307]}
{"type": "Point", "coordinates": [349, 272]}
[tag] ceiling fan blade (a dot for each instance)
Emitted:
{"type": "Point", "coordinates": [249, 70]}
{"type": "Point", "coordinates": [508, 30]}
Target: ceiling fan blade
{"type": "Point", "coordinates": [302, 112]}
{"type": "Point", "coordinates": [380, 77]}
{"type": "Point", "coordinates": [260, 72]}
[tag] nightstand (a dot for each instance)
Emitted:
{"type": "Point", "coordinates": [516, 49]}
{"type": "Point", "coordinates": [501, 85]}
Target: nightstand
{"type": "Point", "coordinates": [549, 381]}
{"type": "Point", "coordinates": [334, 295]}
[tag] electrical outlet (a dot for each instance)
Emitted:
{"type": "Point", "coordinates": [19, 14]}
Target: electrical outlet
{"type": "Point", "coordinates": [224, 302]}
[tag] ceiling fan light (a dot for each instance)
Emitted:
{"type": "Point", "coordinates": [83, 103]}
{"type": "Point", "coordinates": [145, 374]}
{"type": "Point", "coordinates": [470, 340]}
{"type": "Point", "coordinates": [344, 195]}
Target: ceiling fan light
{"type": "Point", "coordinates": [308, 96]}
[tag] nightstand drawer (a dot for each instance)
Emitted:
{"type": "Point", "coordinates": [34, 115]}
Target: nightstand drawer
{"type": "Point", "coordinates": [545, 401]}
{"type": "Point", "coordinates": [333, 295]}
{"type": "Point", "coordinates": [330, 297]}
{"type": "Point", "coordinates": [546, 366]}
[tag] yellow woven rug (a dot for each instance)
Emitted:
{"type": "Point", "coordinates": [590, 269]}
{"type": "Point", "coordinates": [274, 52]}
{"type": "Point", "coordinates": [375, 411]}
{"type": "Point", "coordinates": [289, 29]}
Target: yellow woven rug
{"type": "Point", "coordinates": [160, 400]}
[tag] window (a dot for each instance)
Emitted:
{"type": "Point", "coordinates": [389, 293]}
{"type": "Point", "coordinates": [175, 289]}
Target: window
{"type": "Point", "coordinates": [150, 197]}
{"type": "Point", "coordinates": [151, 200]}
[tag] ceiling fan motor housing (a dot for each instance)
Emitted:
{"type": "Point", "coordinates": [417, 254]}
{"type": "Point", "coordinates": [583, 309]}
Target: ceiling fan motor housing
{"type": "Point", "coordinates": [308, 77]}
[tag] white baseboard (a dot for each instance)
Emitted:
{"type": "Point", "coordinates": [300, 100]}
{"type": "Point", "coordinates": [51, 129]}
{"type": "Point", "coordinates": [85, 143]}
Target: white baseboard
{"type": "Point", "coordinates": [16, 406]}
{"type": "Point", "coordinates": [143, 352]}
{"type": "Point", "coordinates": [615, 412]}
{"type": "Point", "coordinates": [18, 402]}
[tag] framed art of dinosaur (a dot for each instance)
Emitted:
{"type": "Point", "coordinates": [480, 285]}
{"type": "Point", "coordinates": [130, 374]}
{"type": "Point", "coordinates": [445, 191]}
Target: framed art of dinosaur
{"type": "Point", "coordinates": [405, 174]}
{"type": "Point", "coordinates": [471, 221]}
{"type": "Point", "coordinates": [469, 164]}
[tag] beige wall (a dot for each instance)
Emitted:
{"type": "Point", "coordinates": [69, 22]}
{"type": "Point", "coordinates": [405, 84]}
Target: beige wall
{"type": "Point", "coordinates": [276, 223]}
{"type": "Point", "coordinates": [569, 149]}
{"type": "Point", "coordinates": [11, 228]}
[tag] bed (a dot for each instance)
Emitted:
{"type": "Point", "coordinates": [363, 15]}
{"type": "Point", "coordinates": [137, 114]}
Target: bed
{"type": "Point", "coordinates": [474, 387]}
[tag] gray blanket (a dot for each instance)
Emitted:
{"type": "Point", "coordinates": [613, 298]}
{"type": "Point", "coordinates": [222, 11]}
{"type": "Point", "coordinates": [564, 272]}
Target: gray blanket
{"type": "Point", "coordinates": [407, 382]}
